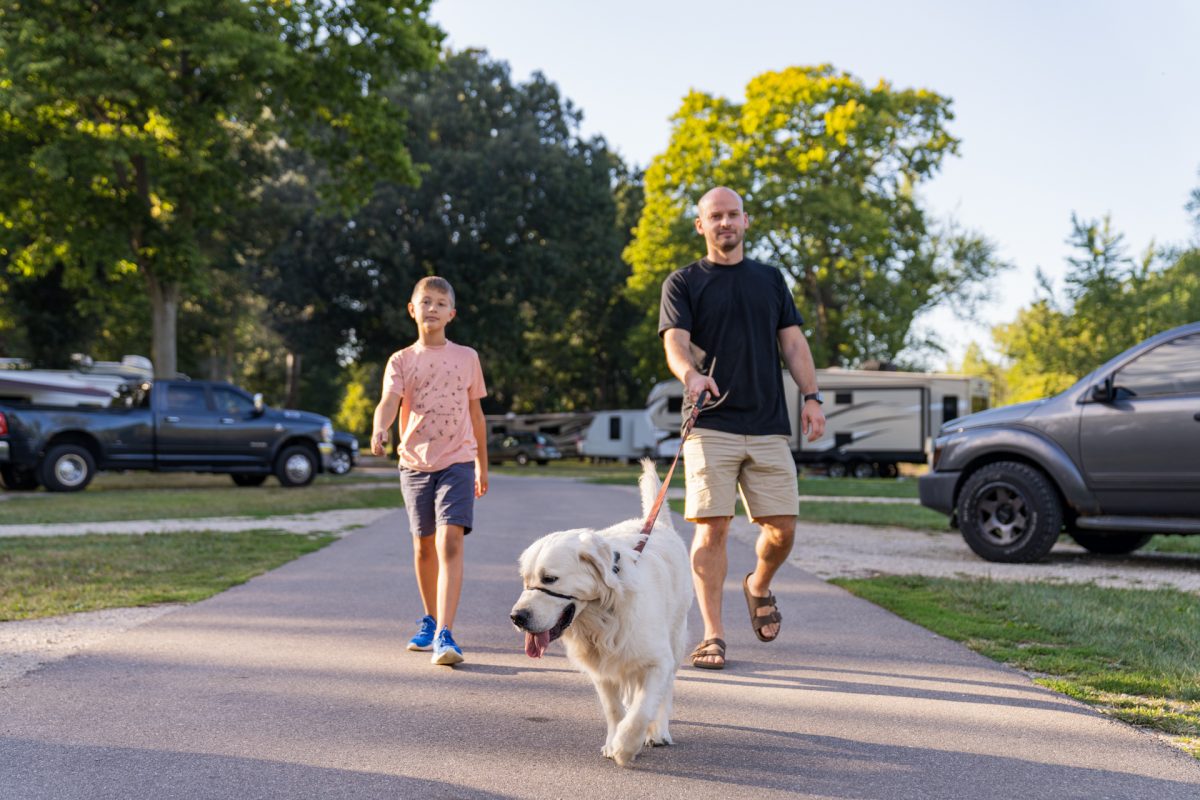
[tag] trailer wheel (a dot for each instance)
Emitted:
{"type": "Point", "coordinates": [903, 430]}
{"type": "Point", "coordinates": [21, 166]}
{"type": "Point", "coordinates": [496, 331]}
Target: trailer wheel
{"type": "Point", "coordinates": [864, 469]}
{"type": "Point", "coordinates": [836, 469]}
{"type": "Point", "coordinates": [67, 468]}
{"type": "Point", "coordinates": [889, 470]}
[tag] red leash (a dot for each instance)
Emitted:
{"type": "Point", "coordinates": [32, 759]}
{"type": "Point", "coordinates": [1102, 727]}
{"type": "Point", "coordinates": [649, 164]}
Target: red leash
{"type": "Point", "coordinates": [662, 493]}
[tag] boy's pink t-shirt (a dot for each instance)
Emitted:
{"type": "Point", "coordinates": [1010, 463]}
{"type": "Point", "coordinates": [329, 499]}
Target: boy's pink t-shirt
{"type": "Point", "coordinates": [436, 385]}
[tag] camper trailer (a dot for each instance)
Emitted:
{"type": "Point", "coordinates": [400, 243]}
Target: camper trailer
{"type": "Point", "coordinates": [624, 435]}
{"type": "Point", "coordinates": [874, 421]}
{"type": "Point", "coordinates": [94, 384]}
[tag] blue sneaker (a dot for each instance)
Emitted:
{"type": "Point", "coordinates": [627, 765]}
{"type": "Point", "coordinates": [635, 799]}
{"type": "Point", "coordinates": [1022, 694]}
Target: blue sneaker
{"type": "Point", "coordinates": [424, 638]}
{"type": "Point", "coordinates": [445, 651]}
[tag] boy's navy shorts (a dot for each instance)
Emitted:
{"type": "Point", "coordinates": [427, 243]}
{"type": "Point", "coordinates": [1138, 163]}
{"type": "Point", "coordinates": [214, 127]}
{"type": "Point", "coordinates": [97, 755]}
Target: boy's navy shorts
{"type": "Point", "coordinates": [445, 497]}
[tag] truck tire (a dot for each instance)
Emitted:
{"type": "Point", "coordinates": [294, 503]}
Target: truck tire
{"type": "Point", "coordinates": [296, 466]}
{"type": "Point", "coordinates": [248, 479]}
{"type": "Point", "coordinates": [18, 479]}
{"type": "Point", "coordinates": [1009, 512]}
{"type": "Point", "coordinates": [67, 468]}
{"type": "Point", "coordinates": [341, 463]}
{"type": "Point", "coordinates": [1110, 544]}
{"type": "Point", "coordinates": [522, 459]}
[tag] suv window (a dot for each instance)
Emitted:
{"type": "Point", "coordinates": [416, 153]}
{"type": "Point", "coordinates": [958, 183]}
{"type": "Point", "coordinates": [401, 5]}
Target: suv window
{"type": "Point", "coordinates": [1170, 368]}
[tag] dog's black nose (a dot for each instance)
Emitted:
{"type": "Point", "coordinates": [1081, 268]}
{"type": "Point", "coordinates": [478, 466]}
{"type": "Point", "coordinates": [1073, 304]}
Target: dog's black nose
{"type": "Point", "coordinates": [520, 619]}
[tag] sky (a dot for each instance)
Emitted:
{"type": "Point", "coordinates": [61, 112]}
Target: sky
{"type": "Point", "coordinates": [1085, 107]}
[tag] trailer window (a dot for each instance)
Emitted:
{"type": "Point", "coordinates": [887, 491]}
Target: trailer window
{"type": "Point", "coordinates": [675, 405]}
{"type": "Point", "coordinates": [844, 398]}
{"type": "Point", "coordinates": [614, 428]}
{"type": "Point", "coordinates": [949, 407]}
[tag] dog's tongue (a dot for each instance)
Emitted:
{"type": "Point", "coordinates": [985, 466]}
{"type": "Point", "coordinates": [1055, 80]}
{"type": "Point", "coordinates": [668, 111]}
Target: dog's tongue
{"type": "Point", "coordinates": [536, 643]}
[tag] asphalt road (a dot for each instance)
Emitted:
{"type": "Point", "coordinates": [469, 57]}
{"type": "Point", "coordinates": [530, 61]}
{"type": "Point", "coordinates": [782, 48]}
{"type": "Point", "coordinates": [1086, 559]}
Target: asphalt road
{"type": "Point", "coordinates": [297, 685]}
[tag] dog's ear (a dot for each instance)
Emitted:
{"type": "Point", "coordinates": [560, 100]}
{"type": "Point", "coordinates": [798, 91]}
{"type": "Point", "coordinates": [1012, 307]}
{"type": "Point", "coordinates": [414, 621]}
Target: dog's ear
{"type": "Point", "coordinates": [598, 554]}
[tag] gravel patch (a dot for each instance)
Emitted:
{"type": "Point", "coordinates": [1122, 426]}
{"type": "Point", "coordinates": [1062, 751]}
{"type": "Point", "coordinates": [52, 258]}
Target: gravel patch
{"type": "Point", "coordinates": [320, 522]}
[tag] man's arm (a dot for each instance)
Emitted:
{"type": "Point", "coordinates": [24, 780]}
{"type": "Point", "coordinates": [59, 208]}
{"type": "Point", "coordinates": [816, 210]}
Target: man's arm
{"type": "Point", "coordinates": [677, 343]}
{"type": "Point", "coordinates": [479, 427]}
{"type": "Point", "coordinates": [798, 358]}
{"type": "Point", "coordinates": [385, 415]}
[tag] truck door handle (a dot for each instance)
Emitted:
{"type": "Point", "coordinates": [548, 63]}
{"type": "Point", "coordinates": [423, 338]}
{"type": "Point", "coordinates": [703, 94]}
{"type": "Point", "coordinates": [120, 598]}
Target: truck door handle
{"type": "Point", "coordinates": [226, 420]}
{"type": "Point", "coordinates": [170, 419]}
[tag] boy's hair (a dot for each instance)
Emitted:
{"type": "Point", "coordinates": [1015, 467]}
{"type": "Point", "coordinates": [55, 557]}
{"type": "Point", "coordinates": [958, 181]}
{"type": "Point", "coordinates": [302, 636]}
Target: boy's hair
{"type": "Point", "coordinates": [437, 284]}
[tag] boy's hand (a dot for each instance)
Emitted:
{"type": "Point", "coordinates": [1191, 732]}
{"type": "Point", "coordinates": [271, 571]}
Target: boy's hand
{"type": "Point", "coordinates": [481, 481]}
{"type": "Point", "coordinates": [378, 441]}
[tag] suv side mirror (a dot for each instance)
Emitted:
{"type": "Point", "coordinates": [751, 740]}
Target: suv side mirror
{"type": "Point", "coordinates": [1103, 392]}
{"type": "Point", "coordinates": [258, 404]}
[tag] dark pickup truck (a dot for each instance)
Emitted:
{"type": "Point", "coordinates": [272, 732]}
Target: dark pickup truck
{"type": "Point", "coordinates": [1112, 461]}
{"type": "Point", "coordinates": [170, 426]}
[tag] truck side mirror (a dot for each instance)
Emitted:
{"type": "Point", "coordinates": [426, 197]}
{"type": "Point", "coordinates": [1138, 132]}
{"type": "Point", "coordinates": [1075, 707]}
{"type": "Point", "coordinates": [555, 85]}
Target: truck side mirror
{"type": "Point", "coordinates": [258, 404]}
{"type": "Point", "coordinates": [1103, 392]}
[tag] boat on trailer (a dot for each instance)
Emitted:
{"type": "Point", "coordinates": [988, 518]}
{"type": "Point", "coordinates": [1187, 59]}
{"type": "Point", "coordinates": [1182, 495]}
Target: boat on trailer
{"type": "Point", "coordinates": [91, 384]}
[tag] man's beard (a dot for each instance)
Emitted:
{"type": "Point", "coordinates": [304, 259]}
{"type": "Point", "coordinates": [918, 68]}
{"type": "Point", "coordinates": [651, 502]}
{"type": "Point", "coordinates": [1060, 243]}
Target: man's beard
{"type": "Point", "coordinates": [729, 245]}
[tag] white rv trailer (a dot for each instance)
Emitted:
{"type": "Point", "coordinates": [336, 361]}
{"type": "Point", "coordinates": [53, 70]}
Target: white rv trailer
{"type": "Point", "coordinates": [874, 420]}
{"type": "Point", "coordinates": [625, 435]}
{"type": "Point", "coordinates": [90, 384]}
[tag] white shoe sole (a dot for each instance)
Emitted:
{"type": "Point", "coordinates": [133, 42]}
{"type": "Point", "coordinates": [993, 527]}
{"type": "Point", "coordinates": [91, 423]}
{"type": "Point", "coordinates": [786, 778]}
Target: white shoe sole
{"type": "Point", "coordinates": [447, 658]}
{"type": "Point", "coordinates": [416, 649]}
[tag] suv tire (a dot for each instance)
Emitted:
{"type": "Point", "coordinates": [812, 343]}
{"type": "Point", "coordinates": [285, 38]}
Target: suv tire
{"type": "Point", "coordinates": [522, 459]}
{"type": "Point", "coordinates": [1009, 512]}
{"type": "Point", "coordinates": [1110, 544]}
{"type": "Point", "coordinates": [67, 468]}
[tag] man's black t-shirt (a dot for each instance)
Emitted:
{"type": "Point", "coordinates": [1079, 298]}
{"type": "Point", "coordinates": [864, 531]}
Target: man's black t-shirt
{"type": "Point", "coordinates": [734, 313]}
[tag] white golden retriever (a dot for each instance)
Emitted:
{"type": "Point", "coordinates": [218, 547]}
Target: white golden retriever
{"type": "Point", "coordinates": [621, 614]}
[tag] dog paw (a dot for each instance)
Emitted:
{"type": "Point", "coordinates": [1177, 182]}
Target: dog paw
{"type": "Point", "coordinates": [624, 757]}
{"type": "Point", "coordinates": [659, 741]}
{"type": "Point", "coordinates": [607, 751]}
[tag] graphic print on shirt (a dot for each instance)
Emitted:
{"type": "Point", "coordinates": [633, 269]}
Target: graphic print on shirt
{"type": "Point", "coordinates": [439, 398]}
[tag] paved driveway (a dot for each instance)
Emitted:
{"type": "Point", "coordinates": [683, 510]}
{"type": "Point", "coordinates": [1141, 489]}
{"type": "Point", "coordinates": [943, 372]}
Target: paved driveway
{"type": "Point", "coordinates": [297, 685]}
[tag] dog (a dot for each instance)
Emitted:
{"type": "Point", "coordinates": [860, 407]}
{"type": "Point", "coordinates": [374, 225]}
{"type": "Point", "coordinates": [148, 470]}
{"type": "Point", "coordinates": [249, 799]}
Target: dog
{"type": "Point", "coordinates": [621, 614]}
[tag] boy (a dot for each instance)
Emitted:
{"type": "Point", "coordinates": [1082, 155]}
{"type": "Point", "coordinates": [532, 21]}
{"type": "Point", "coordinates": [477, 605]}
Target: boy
{"type": "Point", "coordinates": [435, 385]}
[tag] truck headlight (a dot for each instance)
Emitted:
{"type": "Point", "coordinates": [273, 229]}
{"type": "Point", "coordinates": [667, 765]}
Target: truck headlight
{"type": "Point", "coordinates": [327, 432]}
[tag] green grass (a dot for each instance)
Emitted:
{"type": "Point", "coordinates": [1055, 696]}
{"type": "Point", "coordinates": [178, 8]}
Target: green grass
{"type": "Point", "coordinates": [194, 500]}
{"type": "Point", "coordinates": [900, 515]}
{"type": "Point", "coordinates": [1172, 544]}
{"type": "Point", "coordinates": [858, 487]}
{"type": "Point", "coordinates": [1134, 654]}
{"type": "Point", "coordinates": [48, 576]}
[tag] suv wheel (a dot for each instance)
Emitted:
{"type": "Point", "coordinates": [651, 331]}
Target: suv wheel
{"type": "Point", "coordinates": [341, 462]}
{"type": "Point", "coordinates": [296, 466]}
{"type": "Point", "coordinates": [1009, 512]}
{"type": "Point", "coordinates": [67, 468]}
{"type": "Point", "coordinates": [522, 459]}
{"type": "Point", "coordinates": [1112, 544]}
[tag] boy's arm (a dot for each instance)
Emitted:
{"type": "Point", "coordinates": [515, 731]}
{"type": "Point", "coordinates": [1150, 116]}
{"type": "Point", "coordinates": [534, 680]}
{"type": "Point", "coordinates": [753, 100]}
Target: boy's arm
{"type": "Point", "coordinates": [479, 427]}
{"type": "Point", "coordinates": [385, 415]}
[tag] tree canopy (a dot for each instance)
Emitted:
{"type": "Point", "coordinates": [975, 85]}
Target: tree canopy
{"type": "Point", "coordinates": [829, 170]}
{"type": "Point", "coordinates": [134, 135]}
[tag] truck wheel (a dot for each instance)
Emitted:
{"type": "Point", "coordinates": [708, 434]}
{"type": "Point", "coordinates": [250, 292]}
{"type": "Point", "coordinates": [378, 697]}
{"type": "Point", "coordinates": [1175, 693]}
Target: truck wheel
{"type": "Point", "coordinates": [67, 468]}
{"type": "Point", "coordinates": [836, 469]}
{"type": "Point", "coordinates": [1009, 512]}
{"type": "Point", "coordinates": [18, 479]}
{"type": "Point", "coordinates": [522, 459]}
{"type": "Point", "coordinates": [1110, 544]}
{"type": "Point", "coordinates": [340, 463]}
{"type": "Point", "coordinates": [296, 466]}
{"type": "Point", "coordinates": [863, 469]}
{"type": "Point", "coordinates": [248, 479]}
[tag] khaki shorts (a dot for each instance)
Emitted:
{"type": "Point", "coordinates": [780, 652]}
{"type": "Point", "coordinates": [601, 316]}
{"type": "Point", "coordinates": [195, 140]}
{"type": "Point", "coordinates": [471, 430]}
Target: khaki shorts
{"type": "Point", "coordinates": [719, 465]}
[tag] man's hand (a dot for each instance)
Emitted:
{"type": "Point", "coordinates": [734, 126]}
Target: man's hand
{"type": "Point", "coordinates": [698, 382]}
{"type": "Point", "coordinates": [812, 420]}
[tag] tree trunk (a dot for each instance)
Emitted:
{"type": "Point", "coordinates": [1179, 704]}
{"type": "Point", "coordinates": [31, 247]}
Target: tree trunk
{"type": "Point", "coordinates": [292, 398]}
{"type": "Point", "coordinates": [164, 308]}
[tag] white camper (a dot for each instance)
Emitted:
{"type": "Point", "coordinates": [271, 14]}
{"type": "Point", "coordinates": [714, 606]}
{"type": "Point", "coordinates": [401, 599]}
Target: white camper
{"type": "Point", "coordinates": [625, 435]}
{"type": "Point", "coordinates": [93, 384]}
{"type": "Point", "coordinates": [874, 420]}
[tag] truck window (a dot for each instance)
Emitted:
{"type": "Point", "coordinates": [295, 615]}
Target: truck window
{"type": "Point", "coordinates": [1170, 368]}
{"type": "Point", "coordinates": [186, 399]}
{"type": "Point", "coordinates": [235, 404]}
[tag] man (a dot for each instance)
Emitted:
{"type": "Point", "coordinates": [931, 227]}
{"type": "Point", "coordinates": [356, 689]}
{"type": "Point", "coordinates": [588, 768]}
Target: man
{"type": "Point", "coordinates": [737, 317]}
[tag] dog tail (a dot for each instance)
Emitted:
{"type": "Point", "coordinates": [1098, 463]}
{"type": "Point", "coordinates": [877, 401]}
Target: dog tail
{"type": "Point", "coordinates": [650, 484]}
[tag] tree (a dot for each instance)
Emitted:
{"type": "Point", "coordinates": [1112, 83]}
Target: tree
{"type": "Point", "coordinates": [829, 171]}
{"type": "Point", "coordinates": [515, 209]}
{"type": "Point", "coordinates": [134, 134]}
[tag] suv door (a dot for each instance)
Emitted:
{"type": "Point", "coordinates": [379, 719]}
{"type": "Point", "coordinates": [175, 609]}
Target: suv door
{"type": "Point", "coordinates": [186, 425]}
{"type": "Point", "coordinates": [1141, 449]}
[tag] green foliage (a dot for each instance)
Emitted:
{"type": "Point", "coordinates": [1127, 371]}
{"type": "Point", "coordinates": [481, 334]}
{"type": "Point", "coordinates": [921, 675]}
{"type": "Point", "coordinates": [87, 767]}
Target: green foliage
{"type": "Point", "coordinates": [828, 169]}
{"type": "Point", "coordinates": [133, 135]}
{"type": "Point", "coordinates": [1111, 303]}
{"type": "Point", "coordinates": [355, 414]}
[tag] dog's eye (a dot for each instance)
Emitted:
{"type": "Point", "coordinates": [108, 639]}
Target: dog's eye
{"type": "Point", "coordinates": [548, 579]}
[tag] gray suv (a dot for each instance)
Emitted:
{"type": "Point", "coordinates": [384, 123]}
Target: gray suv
{"type": "Point", "coordinates": [1112, 461]}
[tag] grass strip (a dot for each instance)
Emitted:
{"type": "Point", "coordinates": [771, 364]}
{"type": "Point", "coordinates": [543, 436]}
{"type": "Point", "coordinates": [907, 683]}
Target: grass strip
{"type": "Point", "coordinates": [191, 503]}
{"type": "Point", "coordinates": [881, 514]}
{"type": "Point", "coordinates": [1132, 653]}
{"type": "Point", "coordinates": [48, 576]}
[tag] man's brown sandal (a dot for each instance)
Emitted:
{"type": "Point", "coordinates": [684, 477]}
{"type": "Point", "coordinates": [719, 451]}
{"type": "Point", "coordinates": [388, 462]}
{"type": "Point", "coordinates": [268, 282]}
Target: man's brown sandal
{"type": "Point", "coordinates": [755, 603]}
{"type": "Point", "coordinates": [709, 648]}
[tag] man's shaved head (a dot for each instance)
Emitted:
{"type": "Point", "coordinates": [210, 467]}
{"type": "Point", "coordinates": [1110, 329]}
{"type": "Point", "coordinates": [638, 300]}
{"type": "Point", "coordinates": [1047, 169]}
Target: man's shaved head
{"type": "Point", "coordinates": [722, 192]}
